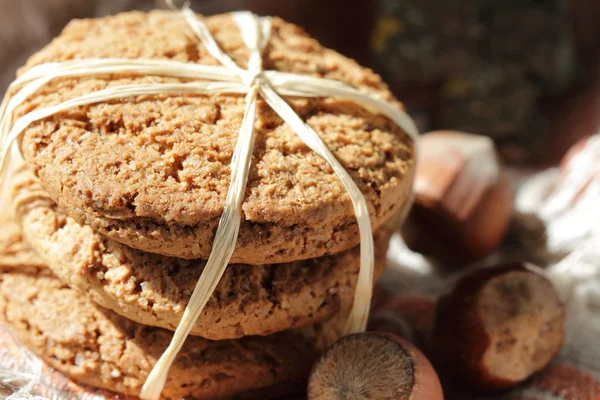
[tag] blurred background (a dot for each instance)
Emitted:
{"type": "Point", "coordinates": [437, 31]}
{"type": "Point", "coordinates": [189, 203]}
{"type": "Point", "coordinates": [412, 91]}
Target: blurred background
{"type": "Point", "coordinates": [524, 72]}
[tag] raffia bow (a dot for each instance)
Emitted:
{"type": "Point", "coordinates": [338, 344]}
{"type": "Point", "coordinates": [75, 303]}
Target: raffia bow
{"type": "Point", "coordinates": [228, 78]}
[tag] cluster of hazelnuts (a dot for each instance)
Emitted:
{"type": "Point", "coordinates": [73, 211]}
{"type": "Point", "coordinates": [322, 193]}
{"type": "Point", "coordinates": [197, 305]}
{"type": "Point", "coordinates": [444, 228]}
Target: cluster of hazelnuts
{"type": "Point", "coordinates": [498, 325]}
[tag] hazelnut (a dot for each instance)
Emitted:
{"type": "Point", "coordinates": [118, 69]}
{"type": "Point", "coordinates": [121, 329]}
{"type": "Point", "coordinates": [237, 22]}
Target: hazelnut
{"type": "Point", "coordinates": [374, 366]}
{"type": "Point", "coordinates": [559, 381]}
{"type": "Point", "coordinates": [499, 326]}
{"type": "Point", "coordinates": [571, 116]}
{"type": "Point", "coordinates": [379, 297]}
{"type": "Point", "coordinates": [410, 317]}
{"type": "Point", "coordinates": [463, 202]}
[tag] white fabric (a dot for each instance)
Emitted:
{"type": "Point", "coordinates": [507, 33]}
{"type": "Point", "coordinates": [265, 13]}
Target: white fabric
{"type": "Point", "coordinates": [567, 201]}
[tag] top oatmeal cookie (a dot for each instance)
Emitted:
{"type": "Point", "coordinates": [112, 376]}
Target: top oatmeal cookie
{"type": "Point", "coordinates": [152, 172]}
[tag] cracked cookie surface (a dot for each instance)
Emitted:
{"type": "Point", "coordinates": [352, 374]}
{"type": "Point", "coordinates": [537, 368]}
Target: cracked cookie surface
{"type": "Point", "coordinates": [154, 290]}
{"type": "Point", "coordinates": [94, 346]}
{"type": "Point", "coordinates": [152, 172]}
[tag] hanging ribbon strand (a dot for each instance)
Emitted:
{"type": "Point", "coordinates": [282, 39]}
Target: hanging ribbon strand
{"type": "Point", "coordinates": [228, 78]}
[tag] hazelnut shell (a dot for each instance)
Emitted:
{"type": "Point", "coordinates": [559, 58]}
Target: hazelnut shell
{"type": "Point", "coordinates": [499, 326]}
{"type": "Point", "coordinates": [460, 214]}
{"type": "Point", "coordinates": [373, 365]}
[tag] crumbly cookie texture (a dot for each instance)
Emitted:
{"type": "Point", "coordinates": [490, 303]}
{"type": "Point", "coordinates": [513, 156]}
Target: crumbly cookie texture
{"type": "Point", "coordinates": [14, 250]}
{"type": "Point", "coordinates": [154, 290]}
{"type": "Point", "coordinates": [152, 172]}
{"type": "Point", "coordinates": [97, 347]}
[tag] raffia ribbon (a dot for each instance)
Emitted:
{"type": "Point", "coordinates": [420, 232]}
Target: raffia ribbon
{"type": "Point", "coordinates": [228, 78]}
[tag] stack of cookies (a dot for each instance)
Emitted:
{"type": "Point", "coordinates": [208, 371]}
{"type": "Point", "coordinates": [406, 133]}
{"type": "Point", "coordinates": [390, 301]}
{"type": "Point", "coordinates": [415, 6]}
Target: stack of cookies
{"type": "Point", "coordinates": [115, 205]}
